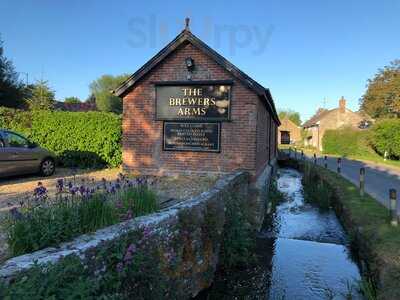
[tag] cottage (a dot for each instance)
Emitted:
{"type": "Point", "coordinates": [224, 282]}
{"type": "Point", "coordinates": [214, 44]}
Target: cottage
{"type": "Point", "coordinates": [333, 119]}
{"type": "Point", "coordinates": [189, 110]}
{"type": "Point", "coordinates": [288, 132]}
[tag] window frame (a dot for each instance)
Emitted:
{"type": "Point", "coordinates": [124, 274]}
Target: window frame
{"type": "Point", "coordinates": [4, 136]}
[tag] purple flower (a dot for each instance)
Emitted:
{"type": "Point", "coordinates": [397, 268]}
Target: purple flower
{"type": "Point", "coordinates": [120, 267]}
{"type": "Point", "coordinates": [146, 232]}
{"type": "Point", "coordinates": [83, 191]}
{"type": "Point", "coordinates": [73, 190]}
{"type": "Point", "coordinates": [128, 257]}
{"type": "Point", "coordinates": [16, 215]}
{"type": "Point", "coordinates": [40, 192]}
{"type": "Point", "coordinates": [132, 248]}
{"type": "Point", "coordinates": [112, 190]}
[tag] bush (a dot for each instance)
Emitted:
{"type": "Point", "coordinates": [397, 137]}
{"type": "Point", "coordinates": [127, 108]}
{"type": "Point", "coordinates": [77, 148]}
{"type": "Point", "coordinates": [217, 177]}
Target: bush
{"type": "Point", "coordinates": [344, 142]}
{"type": "Point", "coordinates": [238, 244]}
{"type": "Point", "coordinates": [385, 136]}
{"type": "Point", "coordinates": [79, 139]}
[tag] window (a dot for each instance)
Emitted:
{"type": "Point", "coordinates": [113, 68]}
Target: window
{"type": "Point", "coordinates": [15, 140]}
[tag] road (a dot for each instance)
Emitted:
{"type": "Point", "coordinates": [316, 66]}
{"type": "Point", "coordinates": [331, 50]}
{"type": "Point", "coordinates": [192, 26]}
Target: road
{"type": "Point", "coordinates": [378, 178]}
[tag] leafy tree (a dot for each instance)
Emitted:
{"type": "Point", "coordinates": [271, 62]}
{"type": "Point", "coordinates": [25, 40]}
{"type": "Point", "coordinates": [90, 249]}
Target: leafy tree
{"type": "Point", "coordinates": [41, 96]}
{"type": "Point", "coordinates": [382, 98]}
{"type": "Point", "coordinates": [101, 90]}
{"type": "Point", "coordinates": [291, 115]}
{"type": "Point", "coordinates": [91, 99]}
{"type": "Point", "coordinates": [72, 100]}
{"type": "Point", "coordinates": [11, 88]}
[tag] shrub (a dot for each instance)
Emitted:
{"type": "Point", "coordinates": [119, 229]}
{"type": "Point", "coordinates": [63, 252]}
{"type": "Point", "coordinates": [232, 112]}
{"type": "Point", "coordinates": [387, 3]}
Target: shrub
{"type": "Point", "coordinates": [385, 136]}
{"type": "Point", "coordinates": [84, 139]}
{"type": "Point", "coordinates": [78, 209]}
{"type": "Point", "coordinates": [344, 142]}
{"type": "Point", "coordinates": [239, 238]}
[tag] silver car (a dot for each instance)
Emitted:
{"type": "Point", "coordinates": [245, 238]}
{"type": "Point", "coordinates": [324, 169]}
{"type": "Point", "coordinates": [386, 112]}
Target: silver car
{"type": "Point", "coordinates": [20, 156]}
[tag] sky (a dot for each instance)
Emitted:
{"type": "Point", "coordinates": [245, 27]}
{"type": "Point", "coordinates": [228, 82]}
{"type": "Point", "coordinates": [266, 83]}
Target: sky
{"type": "Point", "coordinates": [309, 53]}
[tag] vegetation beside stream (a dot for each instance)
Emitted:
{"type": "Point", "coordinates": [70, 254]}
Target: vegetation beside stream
{"type": "Point", "coordinates": [367, 222]}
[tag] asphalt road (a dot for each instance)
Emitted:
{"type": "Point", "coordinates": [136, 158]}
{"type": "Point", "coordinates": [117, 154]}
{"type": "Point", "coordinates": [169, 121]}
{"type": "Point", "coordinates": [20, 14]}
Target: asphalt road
{"type": "Point", "coordinates": [378, 178]}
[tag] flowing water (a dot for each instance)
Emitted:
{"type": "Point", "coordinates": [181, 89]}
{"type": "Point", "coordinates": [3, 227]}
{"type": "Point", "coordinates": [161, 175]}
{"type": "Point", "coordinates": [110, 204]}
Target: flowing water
{"type": "Point", "coordinates": [303, 255]}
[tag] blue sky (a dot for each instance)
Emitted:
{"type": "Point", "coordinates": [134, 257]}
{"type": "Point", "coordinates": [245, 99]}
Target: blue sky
{"type": "Point", "coordinates": [304, 51]}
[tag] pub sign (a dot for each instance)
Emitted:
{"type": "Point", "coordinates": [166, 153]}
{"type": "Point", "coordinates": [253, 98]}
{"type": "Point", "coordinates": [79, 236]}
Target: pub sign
{"type": "Point", "coordinates": [208, 102]}
{"type": "Point", "coordinates": [190, 136]}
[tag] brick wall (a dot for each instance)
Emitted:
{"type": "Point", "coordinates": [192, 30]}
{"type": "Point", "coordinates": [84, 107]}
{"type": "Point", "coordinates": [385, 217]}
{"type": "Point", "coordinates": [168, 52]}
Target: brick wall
{"type": "Point", "coordinates": [295, 131]}
{"type": "Point", "coordinates": [241, 144]}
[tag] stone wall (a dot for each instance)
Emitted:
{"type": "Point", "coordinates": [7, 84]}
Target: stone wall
{"type": "Point", "coordinates": [193, 228]}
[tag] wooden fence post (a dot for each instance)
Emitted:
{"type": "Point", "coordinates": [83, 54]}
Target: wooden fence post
{"type": "Point", "coordinates": [393, 206]}
{"type": "Point", "coordinates": [362, 181]}
{"type": "Point", "coordinates": [295, 153]}
{"type": "Point", "coordinates": [302, 155]}
{"type": "Point", "coordinates": [325, 162]}
{"type": "Point", "coordinates": [315, 159]}
{"type": "Point", "coordinates": [339, 165]}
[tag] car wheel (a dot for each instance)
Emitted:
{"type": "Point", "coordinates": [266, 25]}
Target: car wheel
{"type": "Point", "coordinates": [47, 167]}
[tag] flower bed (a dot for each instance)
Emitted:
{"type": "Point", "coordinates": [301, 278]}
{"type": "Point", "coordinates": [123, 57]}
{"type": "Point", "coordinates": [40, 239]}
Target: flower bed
{"type": "Point", "coordinates": [78, 208]}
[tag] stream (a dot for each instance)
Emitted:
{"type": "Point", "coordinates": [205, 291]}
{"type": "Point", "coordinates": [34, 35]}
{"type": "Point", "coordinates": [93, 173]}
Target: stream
{"type": "Point", "coordinates": [303, 254]}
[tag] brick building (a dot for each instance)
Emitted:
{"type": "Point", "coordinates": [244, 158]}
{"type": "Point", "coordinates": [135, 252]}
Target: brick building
{"type": "Point", "coordinates": [288, 132]}
{"type": "Point", "coordinates": [335, 118]}
{"type": "Point", "coordinates": [188, 109]}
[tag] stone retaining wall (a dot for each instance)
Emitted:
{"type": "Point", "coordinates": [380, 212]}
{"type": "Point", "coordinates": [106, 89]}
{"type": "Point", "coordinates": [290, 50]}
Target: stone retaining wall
{"type": "Point", "coordinates": [196, 248]}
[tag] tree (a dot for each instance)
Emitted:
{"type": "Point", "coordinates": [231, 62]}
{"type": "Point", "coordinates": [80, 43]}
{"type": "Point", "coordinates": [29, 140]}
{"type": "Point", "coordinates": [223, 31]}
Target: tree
{"type": "Point", "coordinates": [101, 90]}
{"type": "Point", "coordinates": [41, 97]}
{"type": "Point", "coordinates": [72, 100]}
{"type": "Point", "coordinates": [11, 88]}
{"type": "Point", "coordinates": [291, 115]}
{"type": "Point", "coordinates": [382, 97]}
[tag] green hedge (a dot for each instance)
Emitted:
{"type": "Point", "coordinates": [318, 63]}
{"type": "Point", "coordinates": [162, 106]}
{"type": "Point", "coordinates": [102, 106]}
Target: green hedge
{"type": "Point", "coordinates": [344, 142]}
{"type": "Point", "coordinates": [385, 136]}
{"type": "Point", "coordinates": [80, 139]}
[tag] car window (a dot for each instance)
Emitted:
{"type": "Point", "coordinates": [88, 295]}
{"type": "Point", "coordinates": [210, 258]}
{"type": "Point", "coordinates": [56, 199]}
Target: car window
{"type": "Point", "coordinates": [15, 140]}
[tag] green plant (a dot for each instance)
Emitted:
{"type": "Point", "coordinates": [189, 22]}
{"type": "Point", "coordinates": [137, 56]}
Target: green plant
{"type": "Point", "coordinates": [316, 191]}
{"type": "Point", "coordinates": [367, 288]}
{"type": "Point", "coordinates": [42, 226]}
{"type": "Point", "coordinates": [239, 238]}
{"type": "Point", "coordinates": [47, 222]}
{"type": "Point", "coordinates": [275, 197]}
{"type": "Point", "coordinates": [118, 270]}
{"type": "Point", "coordinates": [385, 137]}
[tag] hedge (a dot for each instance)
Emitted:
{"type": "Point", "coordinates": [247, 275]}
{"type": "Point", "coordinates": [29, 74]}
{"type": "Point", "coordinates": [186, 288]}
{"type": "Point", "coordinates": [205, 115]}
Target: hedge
{"type": "Point", "coordinates": [79, 139]}
{"type": "Point", "coordinates": [385, 136]}
{"type": "Point", "coordinates": [344, 142]}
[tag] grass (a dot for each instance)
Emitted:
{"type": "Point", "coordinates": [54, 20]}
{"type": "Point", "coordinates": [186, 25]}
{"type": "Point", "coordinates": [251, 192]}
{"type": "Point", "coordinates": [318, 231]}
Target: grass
{"type": "Point", "coordinates": [368, 155]}
{"type": "Point", "coordinates": [368, 225]}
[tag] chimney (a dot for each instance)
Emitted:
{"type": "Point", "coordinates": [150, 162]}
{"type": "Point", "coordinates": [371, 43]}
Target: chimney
{"type": "Point", "coordinates": [342, 105]}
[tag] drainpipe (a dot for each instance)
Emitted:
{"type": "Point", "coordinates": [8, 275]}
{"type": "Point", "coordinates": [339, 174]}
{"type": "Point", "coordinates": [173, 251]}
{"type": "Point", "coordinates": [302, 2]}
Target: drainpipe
{"type": "Point", "coordinates": [319, 149]}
